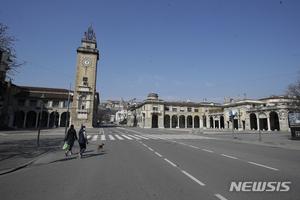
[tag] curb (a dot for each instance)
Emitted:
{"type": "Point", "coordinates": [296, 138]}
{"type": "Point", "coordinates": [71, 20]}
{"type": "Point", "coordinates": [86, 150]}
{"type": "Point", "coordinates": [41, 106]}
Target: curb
{"type": "Point", "coordinates": [26, 164]}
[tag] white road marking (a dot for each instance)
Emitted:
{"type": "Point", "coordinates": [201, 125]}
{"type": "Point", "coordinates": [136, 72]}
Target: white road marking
{"type": "Point", "coordinates": [103, 137]}
{"type": "Point", "coordinates": [129, 138]}
{"type": "Point", "coordinates": [228, 156]}
{"type": "Point", "coordinates": [208, 150]}
{"type": "Point", "coordinates": [193, 178]}
{"type": "Point", "coordinates": [263, 166]}
{"type": "Point", "coordinates": [95, 138]}
{"type": "Point", "coordinates": [119, 137]}
{"type": "Point", "coordinates": [194, 147]}
{"type": "Point", "coordinates": [111, 137]}
{"type": "Point", "coordinates": [220, 197]}
{"type": "Point", "coordinates": [158, 154]}
{"type": "Point", "coordinates": [150, 149]}
{"type": "Point", "coordinates": [170, 162]}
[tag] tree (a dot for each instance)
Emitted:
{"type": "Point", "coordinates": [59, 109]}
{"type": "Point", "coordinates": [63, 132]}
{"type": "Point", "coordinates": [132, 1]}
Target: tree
{"type": "Point", "coordinates": [7, 44]}
{"type": "Point", "coordinates": [294, 89]}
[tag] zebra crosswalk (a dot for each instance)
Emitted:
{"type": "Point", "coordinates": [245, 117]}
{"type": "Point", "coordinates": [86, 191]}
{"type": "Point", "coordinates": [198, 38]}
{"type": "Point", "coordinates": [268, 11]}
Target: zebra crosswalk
{"type": "Point", "coordinates": [114, 137]}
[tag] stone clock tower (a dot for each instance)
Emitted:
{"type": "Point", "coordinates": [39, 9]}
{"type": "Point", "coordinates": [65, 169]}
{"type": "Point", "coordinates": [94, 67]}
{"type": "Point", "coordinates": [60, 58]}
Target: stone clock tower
{"type": "Point", "coordinates": [85, 99]}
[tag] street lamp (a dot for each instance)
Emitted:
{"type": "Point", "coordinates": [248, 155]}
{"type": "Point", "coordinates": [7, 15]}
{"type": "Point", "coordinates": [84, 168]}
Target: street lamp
{"type": "Point", "coordinates": [41, 117]}
{"type": "Point", "coordinates": [258, 123]}
{"type": "Point", "coordinates": [67, 114]}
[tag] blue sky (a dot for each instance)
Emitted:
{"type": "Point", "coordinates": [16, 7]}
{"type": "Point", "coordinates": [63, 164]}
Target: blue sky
{"type": "Point", "coordinates": [204, 49]}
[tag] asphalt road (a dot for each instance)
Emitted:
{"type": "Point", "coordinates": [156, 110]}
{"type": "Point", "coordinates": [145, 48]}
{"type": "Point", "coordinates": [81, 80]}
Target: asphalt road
{"type": "Point", "coordinates": [158, 164]}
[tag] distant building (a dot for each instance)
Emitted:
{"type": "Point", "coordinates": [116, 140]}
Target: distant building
{"type": "Point", "coordinates": [270, 113]}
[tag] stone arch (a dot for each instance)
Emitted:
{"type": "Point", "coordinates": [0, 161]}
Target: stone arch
{"type": "Point", "coordinates": [54, 119]}
{"type": "Point", "coordinates": [274, 121]}
{"type": "Point", "coordinates": [189, 121]}
{"type": "Point", "coordinates": [31, 119]}
{"type": "Point", "coordinates": [182, 121]}
{"type": "Point", "coordinates": [222, 122]}
{"type": "Point", "coordinates": [167, 121]}
{"type": "Point", "coordinates": [154, 121]}
{"type": "Point", "coordinates": [174, 121]}
{"type": "Point", "coordinates": [44, 121]}
{"type": "Point", "coordinates": [19, 118]}
{"type": "Point", "coordinates": [211, 122]}
{"type": "Point", "coordinates": [63, 119]}
{"type": "Point", "coordinates": [196, 122]}
{"type": "Point", "coordinates": [253, 121]}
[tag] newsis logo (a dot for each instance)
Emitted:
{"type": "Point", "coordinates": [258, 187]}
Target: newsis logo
{"type": "Point", "coordinates": [260, 186]}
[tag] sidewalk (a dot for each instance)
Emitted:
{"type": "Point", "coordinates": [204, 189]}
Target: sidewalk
{"type": "Point", "coordinates": [18, 148]}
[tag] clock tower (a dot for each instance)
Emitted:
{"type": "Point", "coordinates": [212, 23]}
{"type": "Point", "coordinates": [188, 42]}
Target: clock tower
{"type": "Point", "coordinates": [85, 99]}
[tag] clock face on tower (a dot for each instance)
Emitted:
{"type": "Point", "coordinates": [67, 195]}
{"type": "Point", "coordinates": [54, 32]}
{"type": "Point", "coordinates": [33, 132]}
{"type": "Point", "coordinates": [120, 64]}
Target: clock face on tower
{"type": "Point", "coordinates": [86, 62]}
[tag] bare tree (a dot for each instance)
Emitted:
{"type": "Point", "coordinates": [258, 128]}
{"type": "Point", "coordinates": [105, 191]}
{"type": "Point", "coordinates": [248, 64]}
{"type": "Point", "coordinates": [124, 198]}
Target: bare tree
{"type": "Point", "coordinates": [294, 89]}
{"type": "Point", "coordinates": [7, 44]}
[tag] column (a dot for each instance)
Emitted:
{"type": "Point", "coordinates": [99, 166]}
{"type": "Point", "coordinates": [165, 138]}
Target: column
{"type": "Point", "coordinates": [185, 119]}
{"type": "Point", "coordinates": [171, 121]}
{"type": "Point", "coordinates": [269, 126]}
{"type": "Point", "coordinates": [25, 118]}
{"type": "Point", "coordinates": [37, 120]}
{"type": "Point", "coordinates": [193, 123]}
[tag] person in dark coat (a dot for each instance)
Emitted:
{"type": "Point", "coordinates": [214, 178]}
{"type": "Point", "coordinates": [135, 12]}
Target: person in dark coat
{"type": "Point", "coordinates": [82, 140]}
{"type": "Point", "coordinates": [70, 138]}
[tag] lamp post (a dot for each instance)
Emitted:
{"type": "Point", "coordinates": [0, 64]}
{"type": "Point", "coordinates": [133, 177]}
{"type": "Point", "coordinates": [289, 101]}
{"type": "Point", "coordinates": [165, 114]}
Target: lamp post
{"type": "Point", "coordinates": [41, 117]}
{"type": "Point", "coordinates": [67, 115]}
{"type": "Point", "coordinates": [258, 123]}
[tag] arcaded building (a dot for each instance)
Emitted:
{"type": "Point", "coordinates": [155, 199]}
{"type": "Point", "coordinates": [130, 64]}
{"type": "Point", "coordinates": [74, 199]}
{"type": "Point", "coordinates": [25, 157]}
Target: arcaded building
{"type": "Point", "coordinates": [268, 114]}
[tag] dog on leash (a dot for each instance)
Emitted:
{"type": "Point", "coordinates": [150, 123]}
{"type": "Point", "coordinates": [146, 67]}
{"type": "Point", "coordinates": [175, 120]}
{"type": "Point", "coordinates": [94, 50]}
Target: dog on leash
{"type": "Point", "coordinates": [100, 147]}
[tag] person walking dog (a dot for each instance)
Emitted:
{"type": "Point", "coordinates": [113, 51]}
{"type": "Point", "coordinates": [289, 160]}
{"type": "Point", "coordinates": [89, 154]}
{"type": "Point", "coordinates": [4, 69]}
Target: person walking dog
{"type": "Point", "coordinates": [82, 140]}
{"type": "Point", "coordinates": [70, 138]}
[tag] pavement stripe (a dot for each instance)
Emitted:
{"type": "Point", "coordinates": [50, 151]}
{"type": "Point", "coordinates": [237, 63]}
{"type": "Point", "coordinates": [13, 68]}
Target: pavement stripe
{"type": "Point", "coordinates": [263, 166]}
{"type": "Point", "coordinates": [103, 137]}
{"type": "Point", "coordinates": [228, 156]}
{"type": "Point", "coordinates": [111, 137]}
{"type": "Point", "coordinates": [170, 162]}
{"type": "Point", "coordinates": [142, 137]}
{"type": "Point", "coordinates": [129, 138]}
{"type": "Point", "coordinates": [134, 137]}
{"type": "Point", "coordinates": [220, 197]}
{"type": "Point", "coordinates": [95, 138]}
{"type": "Point", "coordinates": [193, 178]}
{"type": "Point", "coordinates": [119, 137]}
{"type": "Point", "coordinates": [158, 154]}
{"type": "Point", "coordinates": [208, 150]}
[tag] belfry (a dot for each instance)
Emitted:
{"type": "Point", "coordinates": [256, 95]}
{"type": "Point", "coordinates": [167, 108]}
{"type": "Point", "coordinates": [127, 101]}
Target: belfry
{"type": "Point", "coordinates": [86, 99]}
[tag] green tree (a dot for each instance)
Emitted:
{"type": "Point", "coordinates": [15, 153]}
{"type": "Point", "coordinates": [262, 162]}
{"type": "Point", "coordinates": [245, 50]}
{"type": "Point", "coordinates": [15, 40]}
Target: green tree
{"type": "Point", "coordinates": [7, 44]}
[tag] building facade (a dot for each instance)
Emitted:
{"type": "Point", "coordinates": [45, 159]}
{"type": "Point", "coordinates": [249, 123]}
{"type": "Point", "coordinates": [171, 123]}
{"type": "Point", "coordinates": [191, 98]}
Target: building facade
{"type": "Point", "coordinates": [268, 114]}
{"type": "Point", "coordinates": [85, 100]}
{"type": "Point", "coordinates": [23, 107]}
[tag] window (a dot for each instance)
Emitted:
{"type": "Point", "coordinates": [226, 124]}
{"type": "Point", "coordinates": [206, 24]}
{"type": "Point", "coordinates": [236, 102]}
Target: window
{"type": "Point", "coordinates": [196, 110]}
{"type": "Point", "coordinates": [33, 102]}
{"type": "Point", "coordinates": [55, 104]}
{"type": "Point", "coordinates": [155, 108]}
{"type": "Point", "coordinates": [189, 109]}
{"type": "Point", "coordinates": [85, 81]}
{"type": "Point", "coordinates": [167, 108]}
{"type": "Point", "coordinates": [181, 109]}
{"type": "Point", "coordinates": [82, 103]}
{"type": "Point", "coordinates": [65, 104]}
{"type": "Point", "coordinates": [21, 102]}
{"type": "Point", "coordinates": [174, 109]}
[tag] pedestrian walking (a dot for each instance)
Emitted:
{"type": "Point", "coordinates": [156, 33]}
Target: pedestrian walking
{"type": "Point", "coordinates": [82, 140]}
{"type": "Point", "coordinates": [70, 138]}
